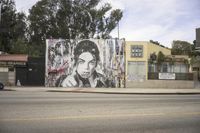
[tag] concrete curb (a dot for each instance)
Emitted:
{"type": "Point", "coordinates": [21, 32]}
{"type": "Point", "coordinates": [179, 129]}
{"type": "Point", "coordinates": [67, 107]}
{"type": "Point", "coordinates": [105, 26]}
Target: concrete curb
{"type": "Point", "coordinates": [7, 90]}
{"type": "Point", "coordinates": [126, 93]}
{"type": "Point", "coordinates": [136, 91]}
{"type": "Point", "coordinates": [127, 90]}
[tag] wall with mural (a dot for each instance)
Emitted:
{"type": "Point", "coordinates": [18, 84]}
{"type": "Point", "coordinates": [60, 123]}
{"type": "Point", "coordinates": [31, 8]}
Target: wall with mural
{"type": "Point", "coordinates": [85, 63]}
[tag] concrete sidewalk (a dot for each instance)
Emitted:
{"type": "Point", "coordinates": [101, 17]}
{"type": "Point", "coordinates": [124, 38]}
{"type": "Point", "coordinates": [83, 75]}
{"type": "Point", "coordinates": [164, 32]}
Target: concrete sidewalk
{"type": "Point", "coordinates": [108, 90]}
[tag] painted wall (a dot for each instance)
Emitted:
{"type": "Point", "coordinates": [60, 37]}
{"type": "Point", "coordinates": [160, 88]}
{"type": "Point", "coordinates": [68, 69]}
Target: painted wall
{"type": "Point", "coordinates": [167, 84]}
{"type": "Point", "coordinates": [138, 75]}
{"type": "Point", "coordinates": [85, 63]}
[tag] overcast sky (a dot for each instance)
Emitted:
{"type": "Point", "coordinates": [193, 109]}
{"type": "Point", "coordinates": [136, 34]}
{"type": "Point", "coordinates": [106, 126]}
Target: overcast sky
{"type": "Point", "coordinates": [144, 20]}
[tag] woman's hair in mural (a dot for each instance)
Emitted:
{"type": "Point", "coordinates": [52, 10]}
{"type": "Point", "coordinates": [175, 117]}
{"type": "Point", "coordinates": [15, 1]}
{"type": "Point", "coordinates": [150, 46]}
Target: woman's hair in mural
{"type": "Point", "coordinates": [66, 47]}
{"type": "Point", "coordinates": [57, 48]}
{"type": "Point", "coordinates": [86, 46]}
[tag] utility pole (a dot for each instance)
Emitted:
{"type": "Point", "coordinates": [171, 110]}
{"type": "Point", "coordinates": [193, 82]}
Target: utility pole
{"type": "Point", "coordinates": [0, 11]}
{"type": "Point", "coordinates": [118, 29]}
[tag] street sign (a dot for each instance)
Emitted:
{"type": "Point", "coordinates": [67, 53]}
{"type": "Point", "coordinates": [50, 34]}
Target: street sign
{"type": "Point", "coordinates": [167, 76]}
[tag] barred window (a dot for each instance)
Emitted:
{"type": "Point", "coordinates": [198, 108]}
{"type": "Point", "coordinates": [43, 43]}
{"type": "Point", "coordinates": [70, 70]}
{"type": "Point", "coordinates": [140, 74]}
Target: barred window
{"type": "Point", "coordinates": [136, 51]}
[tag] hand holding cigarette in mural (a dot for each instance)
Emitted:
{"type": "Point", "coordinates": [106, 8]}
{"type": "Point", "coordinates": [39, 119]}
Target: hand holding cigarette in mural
{"type": "Point", "coordinates": [71, 80]}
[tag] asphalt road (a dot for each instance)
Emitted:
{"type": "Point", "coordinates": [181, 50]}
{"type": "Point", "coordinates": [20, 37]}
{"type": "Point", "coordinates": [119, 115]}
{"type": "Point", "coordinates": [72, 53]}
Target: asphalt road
{"type": "Point", "coordinates": [54, 112]}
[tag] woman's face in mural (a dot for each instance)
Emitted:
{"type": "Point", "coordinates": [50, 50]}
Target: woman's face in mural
{"type": "Point", "coordinates": [86, 64]}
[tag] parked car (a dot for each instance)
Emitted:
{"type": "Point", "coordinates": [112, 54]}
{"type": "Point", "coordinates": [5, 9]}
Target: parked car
{"type": "Point", "coordinates": [1, 86]}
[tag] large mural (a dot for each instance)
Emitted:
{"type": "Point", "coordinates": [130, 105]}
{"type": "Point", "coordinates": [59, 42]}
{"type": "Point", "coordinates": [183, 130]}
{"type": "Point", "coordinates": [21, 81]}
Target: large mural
{"type": "Point", "coordinates": [85, 63]}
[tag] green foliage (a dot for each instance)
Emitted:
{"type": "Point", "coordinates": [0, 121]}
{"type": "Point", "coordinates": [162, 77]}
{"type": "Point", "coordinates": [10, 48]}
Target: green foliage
{"type": "Point", "coordinates": [19, 47]}
{"type": "Point", "coordinates": [35, 50]}
{"type": "Point", "coordinates": [7, 24]}
{"type": "Point", "coordinates": [69, 19]}
{"type": "Point", "coordinates": [13, 29]}
{"type": "Point", "coordinates": [160, 58]}
{"type": "Point", "coordinates": [194, 53]}
{"type": "Point", "coordinates": [20, 42]}
{"type": "Point", "coordinates": [195, 60]}
{"type": "Point", "coordinates": [181, 48]}
{"type": "Point", "coordinates": [186, 61]}
{"type": "Point", "coordinates": [153, 58]}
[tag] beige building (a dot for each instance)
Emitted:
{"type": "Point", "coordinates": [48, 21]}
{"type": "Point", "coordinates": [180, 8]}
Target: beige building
{"type": "Point", "coordinates": [143, 72]}
{"type": "Point", "coordinates": [137, 56]}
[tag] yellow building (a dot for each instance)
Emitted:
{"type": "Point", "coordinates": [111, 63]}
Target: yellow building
{"type": "Point", "coordinates": [137, 56]}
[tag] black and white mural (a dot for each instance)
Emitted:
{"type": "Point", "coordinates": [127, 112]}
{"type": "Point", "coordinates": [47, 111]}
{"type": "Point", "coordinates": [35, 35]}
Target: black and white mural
{"type": "Point", "coordinates": [85, 63]}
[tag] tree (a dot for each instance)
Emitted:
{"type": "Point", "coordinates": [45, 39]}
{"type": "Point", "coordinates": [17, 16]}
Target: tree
{"type": "Point", "coordinates": [153, 58]}
{"type": "Point", "coordinates": [70, 19]}
{"type": "Point", "coordinates": [160, 60]}
{"type": "Point", "coordinates": [181, 48]}
{"type": "Point", "coordinates": [195, 55]}
{"type": "Point", "coordinates": [20, 37]}
{"type": "Point", "coordinates": [7, 23]}
{"type": "Point", "coordinates": [13, 29]}
{"type": "Point", "coordinates": [19, 47]}
{"type": "Point", "coordinates": [185, 48]}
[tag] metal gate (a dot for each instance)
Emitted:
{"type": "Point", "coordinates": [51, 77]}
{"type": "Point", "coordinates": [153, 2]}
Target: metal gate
{"type": "Point", "coordinates": [33, 74]}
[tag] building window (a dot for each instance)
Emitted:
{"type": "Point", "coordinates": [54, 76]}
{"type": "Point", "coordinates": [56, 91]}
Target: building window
{"type": "Point", "coordinates": [152, 68]}
{"type": "Point", "coordinates": [136, 51]}
{"type": "Point", "coordinates": [164, 68]}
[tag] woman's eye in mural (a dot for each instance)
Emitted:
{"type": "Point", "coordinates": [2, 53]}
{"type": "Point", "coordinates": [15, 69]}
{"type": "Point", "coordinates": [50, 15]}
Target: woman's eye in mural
{"type": "Point", "coordinates": [81, 61]}
{"type": "Point", "coordinates": [93, 62]}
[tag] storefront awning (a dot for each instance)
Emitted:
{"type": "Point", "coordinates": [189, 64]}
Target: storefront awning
{"type": "Point", "coordinates": [13, 59]}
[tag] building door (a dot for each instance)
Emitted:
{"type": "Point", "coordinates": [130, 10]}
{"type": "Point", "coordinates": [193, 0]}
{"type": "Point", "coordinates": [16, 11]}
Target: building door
{"type": "Point", "coordinates": [21, 76]}
{"type": "Point", "coordinates": [36, 71]}
{"type": "Point", "coordinates": [136, 71]}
